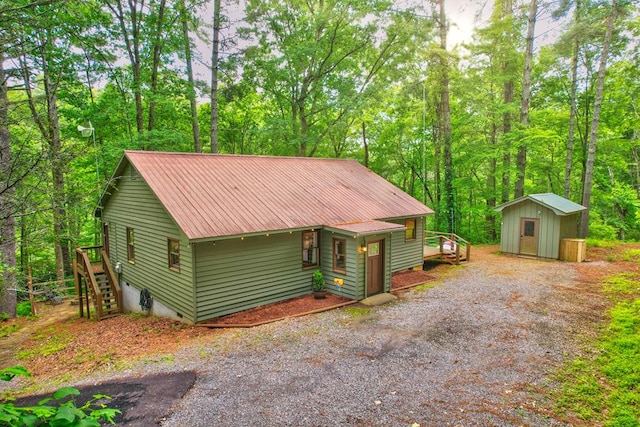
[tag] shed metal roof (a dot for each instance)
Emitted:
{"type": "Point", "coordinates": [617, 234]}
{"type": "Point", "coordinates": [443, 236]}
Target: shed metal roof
{"type": "Point", "coordinates": [215, 195]}
{"type": "Point", "coordinates": [557, 204]}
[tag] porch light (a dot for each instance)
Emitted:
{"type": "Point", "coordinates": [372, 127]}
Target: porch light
{"type": "Point", "coordinates": [363, 248]}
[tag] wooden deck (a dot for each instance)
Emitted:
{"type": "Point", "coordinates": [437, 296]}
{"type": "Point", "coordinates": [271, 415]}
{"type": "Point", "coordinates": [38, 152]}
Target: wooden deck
{"type": "Point", "coordinates": [446, 248]}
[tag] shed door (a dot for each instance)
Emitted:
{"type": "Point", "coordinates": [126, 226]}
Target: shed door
{"type": "Point", "coordinates": [375, 267]}
{"type": "Point", "coordinates": [529, 236]}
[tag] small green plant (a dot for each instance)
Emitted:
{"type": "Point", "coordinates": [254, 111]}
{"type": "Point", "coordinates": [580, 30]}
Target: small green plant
{"type": "Point", "coordinates": [49, 413]}
{"type": "Point", "coordinates": [6, 330]}
{"type": "Point", "coordinates": [23, 309]}
{"type": "Point", "coordinates": [357, 311]}
{"type": "Point", "coordinates": [318, 281]}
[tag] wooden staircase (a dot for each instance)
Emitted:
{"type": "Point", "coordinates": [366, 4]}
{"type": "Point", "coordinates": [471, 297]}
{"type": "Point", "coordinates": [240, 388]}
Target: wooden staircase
{"type": "Point", "coordinates": [96, 283]}
{"type": "Point", "coordinates": [446, 247]}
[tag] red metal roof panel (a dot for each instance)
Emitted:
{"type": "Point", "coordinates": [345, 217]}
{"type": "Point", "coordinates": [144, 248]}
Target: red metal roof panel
{"type": "Point", "coordinates": [214, 195]}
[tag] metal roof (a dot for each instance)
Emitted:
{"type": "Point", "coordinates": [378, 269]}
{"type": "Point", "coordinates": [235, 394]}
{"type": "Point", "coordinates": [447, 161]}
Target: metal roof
{"type": "Point", "coordinates": [559, 205]}
{"type": "Point", "coordinates": [363, 228]}
{"type": "Point", "coordinates": [215, 195]}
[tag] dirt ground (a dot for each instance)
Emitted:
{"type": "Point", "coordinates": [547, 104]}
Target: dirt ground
{"type": "Point", "coordinates": [59, 344]}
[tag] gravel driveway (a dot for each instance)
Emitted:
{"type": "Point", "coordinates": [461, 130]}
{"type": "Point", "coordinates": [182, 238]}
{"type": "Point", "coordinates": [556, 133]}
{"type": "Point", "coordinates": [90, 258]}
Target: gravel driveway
{"type": "Point", "coordinates": [470, 351]}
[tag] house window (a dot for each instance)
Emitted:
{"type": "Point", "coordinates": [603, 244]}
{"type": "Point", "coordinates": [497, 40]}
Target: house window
{"type": "Point", "coordinates": [173, 247]}
{"type": "Point", "coordinates": [310, 249]}
{"type": "Point", "coordinates": [410, 232]}
{"type": "Point", "coordinates": [340, 256]}
{"type": "Point", "coordinates": [130, 245]}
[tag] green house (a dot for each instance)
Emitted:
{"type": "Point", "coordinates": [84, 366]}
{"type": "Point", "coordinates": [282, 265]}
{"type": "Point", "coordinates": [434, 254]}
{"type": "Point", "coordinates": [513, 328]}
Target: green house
{"type": "Point", "coordinates": [209, 235]}
{"type": "Point", "coordinates": [535, 225]}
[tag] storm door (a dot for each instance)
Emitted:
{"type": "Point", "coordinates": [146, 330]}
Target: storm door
{"type": "Point", "coordinates": [529, 236]}
{"type": "Point", "coordinates": [375, 267]}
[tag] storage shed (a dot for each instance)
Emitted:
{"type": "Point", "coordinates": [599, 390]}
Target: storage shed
{"type": "Point", "coordinates": [536, 224]}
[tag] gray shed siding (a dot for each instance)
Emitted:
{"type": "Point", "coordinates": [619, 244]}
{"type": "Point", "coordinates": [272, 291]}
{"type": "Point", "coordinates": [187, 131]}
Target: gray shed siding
{"type": "Point", "coordinates": [548, 233]}
{"type": "Point", "coordinates": [407, 254]}
{"type": "Point", "coordinates": [552, 228]}
{"type": "Point", "coordinates": [134, 205]}
{"type": "Point", "coordinates": [239, 274]}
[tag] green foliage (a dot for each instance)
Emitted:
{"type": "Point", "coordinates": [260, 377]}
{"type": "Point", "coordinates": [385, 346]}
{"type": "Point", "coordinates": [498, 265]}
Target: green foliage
{"type": "Point", "coordinates": [604, 387]}
{"type": "Point", "coordinates": [318, 281]}
{"type": "Point", "coordinates": [23, 309]}
{"type": "Point", "coordinates": [48, 412]}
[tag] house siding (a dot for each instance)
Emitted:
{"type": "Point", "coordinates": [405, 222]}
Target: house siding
{"type": "Point", "coordinates": [349, 288]}
{"type": "Point", "coordinates": [407, 254]}
{"type": "Point", "coordinates": [133, 205]}
{"type": "Point", "coordinates": [239, 274]}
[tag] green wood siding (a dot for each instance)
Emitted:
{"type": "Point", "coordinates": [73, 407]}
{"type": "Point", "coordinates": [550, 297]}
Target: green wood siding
{"type": "Point", "coordinates": [350, 286]}
{"type": "Point", "coordinates": [407, 254]}
{"type": "Point", "coordinates": [548, 233]}
{"type": "Point", "coordinates": [134, 205]}
{"type": "Point", "coordinates": [234, 275]}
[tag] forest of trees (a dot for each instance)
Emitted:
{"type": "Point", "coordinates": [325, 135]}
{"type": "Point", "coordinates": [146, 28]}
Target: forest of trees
{"type": "Point", "coordinates": [462, 128]}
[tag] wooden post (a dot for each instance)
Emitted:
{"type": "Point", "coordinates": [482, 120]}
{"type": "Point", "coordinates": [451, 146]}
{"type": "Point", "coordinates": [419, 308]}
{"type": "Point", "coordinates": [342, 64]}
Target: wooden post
{"type": "Point", "coordinates": [34, 309]}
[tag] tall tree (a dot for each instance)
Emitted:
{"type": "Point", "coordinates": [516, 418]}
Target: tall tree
{"type": "Point", "coordinates": [215, 66]}
{"type": "Point", "coordinates": [7, 221]}
{"type": "Point", "coordinates": [526, 96]}
{"type": "Point", "coordinates": [597, 105]}
{"type": "Point", "coordinates": [191, 90]}
{"type": "Point", "coordinates": [445, 120]}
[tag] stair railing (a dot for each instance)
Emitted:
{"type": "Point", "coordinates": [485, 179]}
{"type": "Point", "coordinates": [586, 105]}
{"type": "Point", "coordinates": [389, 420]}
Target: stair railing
{"type": "Point", "coordinates": [111, 277]}
{"type": "Point", "coordinates": [431, 238]}
{"type": "Point", "coordinates": [85, 268]}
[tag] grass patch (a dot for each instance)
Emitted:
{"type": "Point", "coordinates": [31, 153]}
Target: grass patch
{"type": "Point", "coordinates": [354, 312]}
{"type": "Point", "coordinates": [622, 284]}
{"type": "Point", "coordinates": [604, 387]}
{"type": "Point", "coordinates": [426, 286]}
{"type": "Point", "coordinates": [605, 244]}
{"type": "Point", "coordinates": [631, 255]}
{"type": "Point", "coordinates": [6, 330]}
{"type": "Point", "coordinates": [49, 341]}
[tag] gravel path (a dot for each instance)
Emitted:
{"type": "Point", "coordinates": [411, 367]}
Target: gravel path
{"type": "Point", "coordinates": [470, 351]}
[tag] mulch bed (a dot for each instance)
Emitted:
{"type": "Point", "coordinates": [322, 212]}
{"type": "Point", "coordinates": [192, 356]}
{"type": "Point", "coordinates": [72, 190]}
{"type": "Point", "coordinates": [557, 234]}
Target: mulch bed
{"type": "Point", "coordinates": [299, 306]}
{"type": "Point", "coordinates": [408, 279]}
{"type": "Point", "coordinates": [307, 304]}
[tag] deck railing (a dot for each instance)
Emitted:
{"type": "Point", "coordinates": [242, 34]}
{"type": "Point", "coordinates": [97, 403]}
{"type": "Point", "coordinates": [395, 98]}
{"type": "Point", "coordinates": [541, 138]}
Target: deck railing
{"type": "Point", "coordinates": [448, 244]}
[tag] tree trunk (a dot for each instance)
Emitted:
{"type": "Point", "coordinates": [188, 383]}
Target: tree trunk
{"type": "Point", "coordinates": [507, 99]}
{"type": "Point", "coordinates": [446, 124]}
{"type": "Point", "coordinates": [366, 145]}
{"type": "Point", "coordinates": [8, 283]}
{"type": "Point", "coordinates": [132, 45]}
{"type": "Point", "coordinates": [491, 187]}
{"type": "Point", "coordinates": [191, 92]}
{"type": "Point", "coordinates": [157, 49]}
{"type": "Point", "coordinates": [526, 96]}
{"type": "Point", "coordinates": [215, 64]}
{"type": "Point", "coordinates": [593, 135]}
{"type": "Point", "coordinates": [572, 114]}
